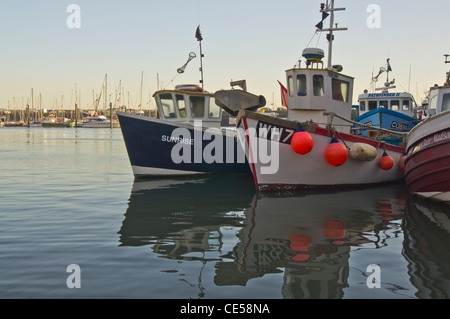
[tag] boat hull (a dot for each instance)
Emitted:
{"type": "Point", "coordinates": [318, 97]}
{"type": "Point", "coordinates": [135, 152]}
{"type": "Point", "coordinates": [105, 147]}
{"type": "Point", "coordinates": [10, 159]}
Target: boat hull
{"type": "Point", "coordinates": [309, 171]}
{"type": "Point", "coordinates": [428, 152]}
{"type": "Point", "coordinates": [387, 119]}
{"type": "Point", "coordinates": [153, 150]}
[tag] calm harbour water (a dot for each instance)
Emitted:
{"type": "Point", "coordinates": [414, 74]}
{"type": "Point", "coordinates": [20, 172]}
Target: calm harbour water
{"type": "Point", "coordinates": [68, 196]}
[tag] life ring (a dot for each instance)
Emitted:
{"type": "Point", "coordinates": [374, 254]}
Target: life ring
{"type": "Point", "coordinates": [188, 87]}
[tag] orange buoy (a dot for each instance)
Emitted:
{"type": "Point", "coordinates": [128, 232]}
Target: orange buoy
{"type": "Point", "coordinates": [386, 162]}
{"type": "Point", "coordinates": [302, 142]}
{"type": "Point", "coordinates": [401, 162]}
{"type": "Point", "coordinates": [336, 153]}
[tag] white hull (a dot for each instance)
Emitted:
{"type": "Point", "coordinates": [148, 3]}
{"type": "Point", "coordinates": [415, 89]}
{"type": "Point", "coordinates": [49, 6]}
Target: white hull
{"type": "Point", "coordinates": [97, 125]}
{"type": "Point", "coordinates": [162, 172]}
{"type": "Point", "coordinates": [294, 171]}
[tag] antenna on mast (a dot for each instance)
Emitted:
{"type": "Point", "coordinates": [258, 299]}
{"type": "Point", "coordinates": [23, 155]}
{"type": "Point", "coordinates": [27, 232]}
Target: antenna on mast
{"type": "Point", "coordinates": [330, 37]}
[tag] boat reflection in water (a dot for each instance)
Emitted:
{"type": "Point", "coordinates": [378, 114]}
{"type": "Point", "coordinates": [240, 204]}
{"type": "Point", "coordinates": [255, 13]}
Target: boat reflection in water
{"type": "Point", "coordinates": [178, 216]}
{"type": "Point", "coordinates": [306, 239]}
{"type": "Point", "coordinates": [427, 237]}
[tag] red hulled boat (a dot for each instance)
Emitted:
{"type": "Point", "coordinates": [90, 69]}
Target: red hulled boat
{"type": "Point", "coordinates": [428, 148]}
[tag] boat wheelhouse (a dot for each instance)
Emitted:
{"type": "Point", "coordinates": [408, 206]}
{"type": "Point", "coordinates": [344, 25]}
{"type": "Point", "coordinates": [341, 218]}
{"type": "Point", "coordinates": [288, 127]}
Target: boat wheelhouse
{"type": "Point", "coordinates": [186, 104]}
{"type": "Point", "coordinates": [314, 90]}
{"type": "Point", "coordinates": [396, 111]}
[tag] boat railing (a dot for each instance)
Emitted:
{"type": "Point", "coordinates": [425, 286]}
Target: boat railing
{"type": "Point", "coordinates": [364, 126]}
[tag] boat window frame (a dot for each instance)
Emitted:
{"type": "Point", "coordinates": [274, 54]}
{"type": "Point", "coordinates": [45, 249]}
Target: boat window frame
{"type": "Point", "coordinates": [318, 85]}
{"type": "Point", "coordinates": [302, 84]}
{"type": "Point", "coordinates": [445, 102]}
{"type": "Point", "coordinates": [362, 106]}
{"type": "Point", "coordinates": [432, 103]}
{"type": "Point", "coordinates": [383, 104]}
{"type": "Point", "coordinates": [169, 115]}
{"type": "Point", "coordinates": [192, 106]}
{"type": "Point", "coordinates": [405, 102]}
{"type": "Point", "coordinates": [212, 102]}
{"type": "Point", "coordinates": [290, 85]}
{"type": "Point", "coordinates": [392, 104]}
{"type": "Point", "coordinates": [179, 109]}
{"type": "Point", "coordinates": [340, 90]}
{"type": "Point", "coordinates": [372, 105]}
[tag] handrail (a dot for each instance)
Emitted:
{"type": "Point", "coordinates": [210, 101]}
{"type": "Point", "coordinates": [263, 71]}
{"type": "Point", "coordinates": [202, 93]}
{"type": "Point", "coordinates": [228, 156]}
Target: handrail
{"type": "Point", "coordinates": [365, 125]}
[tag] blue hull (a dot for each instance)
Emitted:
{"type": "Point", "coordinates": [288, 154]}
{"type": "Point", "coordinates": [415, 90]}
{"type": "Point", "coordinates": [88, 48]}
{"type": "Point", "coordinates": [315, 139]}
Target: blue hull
{"type": "Point", "coordinates": [387, 119]}
{"type": "Point", "coordinates": [150, 146]}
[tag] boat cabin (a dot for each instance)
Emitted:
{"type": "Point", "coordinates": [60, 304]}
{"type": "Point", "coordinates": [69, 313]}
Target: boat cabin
{"type": "Point", "coordinates": [398, 102]}
{"type": "Point", "coordinates": [439, 100]}
{"type": "Point", "coordinates": [188, 103]}
{"type": "Point", "coordinates": [314, 90]}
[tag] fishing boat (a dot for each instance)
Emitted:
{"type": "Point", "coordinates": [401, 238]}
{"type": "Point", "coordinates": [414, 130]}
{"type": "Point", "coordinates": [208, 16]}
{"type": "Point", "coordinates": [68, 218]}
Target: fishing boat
{"type": "Point", "coordinates": [313, 147]}
{"type": "Point", "coordinates": [13, 124]}
{"type": "Point", "coordinates": [428, 148]}
{"type": "Point", "coordinates": [395, 111]}
{"type": "Point", "coordinates": [55, 122]}
{"type": "Point", "coordinates": [191, 134]}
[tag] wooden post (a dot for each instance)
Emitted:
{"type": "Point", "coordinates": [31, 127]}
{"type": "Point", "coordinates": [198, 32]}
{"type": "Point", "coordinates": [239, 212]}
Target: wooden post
{"type": "Point", "coordinates": [28, 115]}
{"type": "Point", "coordinates": [110, 116]}
{"type": "Point", "coordinates": [76, 115]}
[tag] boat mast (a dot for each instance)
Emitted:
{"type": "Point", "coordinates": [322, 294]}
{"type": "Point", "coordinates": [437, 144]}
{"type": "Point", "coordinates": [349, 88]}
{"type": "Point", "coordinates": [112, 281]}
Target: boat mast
{"type": "Point", "coordinates": [330, 8]}
{"type": "Point", "coordinates": [199, 37]}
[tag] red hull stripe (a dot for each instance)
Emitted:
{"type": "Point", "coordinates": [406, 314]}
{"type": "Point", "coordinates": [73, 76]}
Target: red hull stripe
{"type": "Point", "coordinates": [252, 162]}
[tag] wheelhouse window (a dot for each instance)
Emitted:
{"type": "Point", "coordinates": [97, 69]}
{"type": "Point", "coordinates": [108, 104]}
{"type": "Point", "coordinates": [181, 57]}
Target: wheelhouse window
{"type": "Point", "coordinates": [362, 105]}
{"type": "Point", "coordinates": [433, 100]}
{"type": "Point", "coordinates": [167, 105]}
{"type": "Point", "coordinates": [446, 102]}
{"type": "Point", "coordinates": [372, 105]}
{"type": "Point", "coordinates": [384, 104]}
{"type": "Point", "coordinates": [340, 90]}
{"type": "Point", "coordinates": [214, 109]}
{"type": "Point", "coordinates": [395, 105]}
{"type": "Point", "coordinates": [405, 106]}
{"type": "Point", "coordinates": [290, 86]}
{"type": "Point", "coordinates": [197, 106]}
{"type": "Point", "coordinates": [181, 105]}
{"type": "Point", "coordinates": [318, 87]}
{"type": "Point", "coordinates": [301, 85]}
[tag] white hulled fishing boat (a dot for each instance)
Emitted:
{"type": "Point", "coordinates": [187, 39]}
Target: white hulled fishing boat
{"type": "Point", "coordinates": [313, 147]}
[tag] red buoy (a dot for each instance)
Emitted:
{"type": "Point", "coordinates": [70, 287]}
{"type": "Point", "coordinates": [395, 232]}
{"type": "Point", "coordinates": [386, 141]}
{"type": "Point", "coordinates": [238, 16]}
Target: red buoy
{"type": "Point", "coordinates": [336, 153]}
{"type": "Point", "coordinates": [302, 142]}
{"type": "Point", "coordinates": [386, 162]}
{"type": "Point", "coordinates": [401, 162]}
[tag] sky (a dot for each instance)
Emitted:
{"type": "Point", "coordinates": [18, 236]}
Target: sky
{"type": "Point", "coordinates": [252, 40]}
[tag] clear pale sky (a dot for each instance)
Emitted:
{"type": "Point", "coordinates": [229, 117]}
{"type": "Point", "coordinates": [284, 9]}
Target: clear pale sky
{"type": "Point", "coordinates": [252, 40]}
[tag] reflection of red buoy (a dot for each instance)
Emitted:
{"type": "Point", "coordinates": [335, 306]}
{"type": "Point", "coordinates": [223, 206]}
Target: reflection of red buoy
{"type": "Point", "coordinates": [386, 162]}
{"type": "Point", "coordinates": [334, 229]}
{"type": "Point", "coordinates": [300, 257]}
{"type": "Point", "coordinates": [302, 142]}
{"type": "Point", "coordinates": [300, 242]}
{"type": "Point", "coordinates": [401, 162]}
{"type": "Point", "coordinates": [336, 153]}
